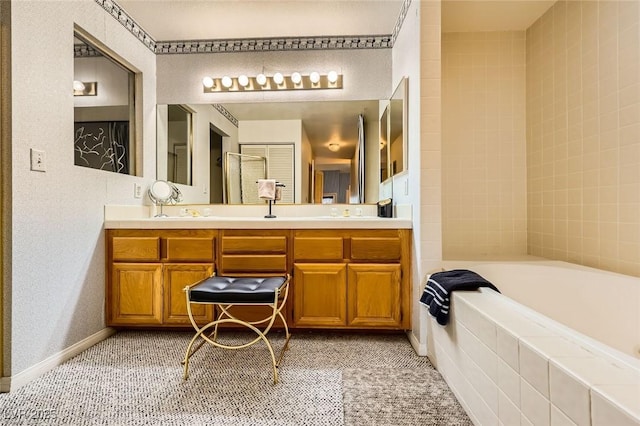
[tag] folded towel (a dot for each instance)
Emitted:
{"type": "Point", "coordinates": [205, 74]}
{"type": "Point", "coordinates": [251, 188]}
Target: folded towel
{"type": "Point", "coordinates": [267, 189]}
{"type": "Point", "coordinates": [441, 284]}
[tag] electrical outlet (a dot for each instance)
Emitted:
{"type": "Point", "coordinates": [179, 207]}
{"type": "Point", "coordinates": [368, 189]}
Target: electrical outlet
{"type": "Point", "coordinates": [37, 161]}
{"type": "Point", "coordinates": [137, 190]}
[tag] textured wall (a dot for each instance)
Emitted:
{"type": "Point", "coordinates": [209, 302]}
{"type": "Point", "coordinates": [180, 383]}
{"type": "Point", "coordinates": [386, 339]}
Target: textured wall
{"type": "Point", "coordinates": [484, 147]}
{"type": "Point", "coordinates": [583, 134]}
{"type": "Point", "coordinates": [57, 280]}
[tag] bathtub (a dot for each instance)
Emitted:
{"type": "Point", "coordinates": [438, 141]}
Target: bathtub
{"type": "Point", "coordinates": [559, 346]}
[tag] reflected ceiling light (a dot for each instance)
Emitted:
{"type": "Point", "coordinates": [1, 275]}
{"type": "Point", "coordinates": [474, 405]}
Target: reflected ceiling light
{"type": "Point", "coordinates": [314, 77]}
{"type": "Point", "coordinates": [243, 80]}
{"type": "Point", "coordinates": [78, 85]}
{"type": "Point", "coordinates": [85, 88]}
{"type": "Point", "coordinates": [226, 81]}
{"type": "Point", "coordinates": [296, 78]}
{"type": "Point", "coordinates": [261, 79]}
{"type": "Point", "coordinates": [278, 78]}
{"type": "Point", "coordinates": [334, 146]}
{"type": "Point", "coordinates": [332, 76]}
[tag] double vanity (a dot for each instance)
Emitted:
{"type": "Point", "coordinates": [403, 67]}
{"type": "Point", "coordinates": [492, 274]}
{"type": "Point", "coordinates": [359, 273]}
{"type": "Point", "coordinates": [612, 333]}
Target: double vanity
{"type": "Point", "coordinates": [348, 272]}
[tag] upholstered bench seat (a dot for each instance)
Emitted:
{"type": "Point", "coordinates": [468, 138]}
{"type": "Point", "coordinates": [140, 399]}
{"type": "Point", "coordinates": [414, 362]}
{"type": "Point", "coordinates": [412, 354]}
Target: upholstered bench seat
{"type": "Point", "coordinates": [236, 290]}
{"type": "Point", "coordinates": [225, 292]}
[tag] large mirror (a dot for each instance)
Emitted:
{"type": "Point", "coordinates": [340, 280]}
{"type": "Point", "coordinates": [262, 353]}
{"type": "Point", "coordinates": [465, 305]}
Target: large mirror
{"type": "Point", "coordinates": [397, 140]}
{"type": "Point", "coordinates": [104, 108]}
{"type": "Point", "coordinates": [323, 151]}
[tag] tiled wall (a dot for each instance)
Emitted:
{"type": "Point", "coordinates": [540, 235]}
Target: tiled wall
{"type": "Point", "coordinates": [583, 134]}
{"type": "Point", "coordinates": [483, 144]}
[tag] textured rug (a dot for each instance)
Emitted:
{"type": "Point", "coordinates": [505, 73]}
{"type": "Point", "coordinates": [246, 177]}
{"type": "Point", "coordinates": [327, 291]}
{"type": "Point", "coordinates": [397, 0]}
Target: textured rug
{"type": "Point", "coordinates": [399, 396]}
{"type": "Point", "coordinates": [135, 378]}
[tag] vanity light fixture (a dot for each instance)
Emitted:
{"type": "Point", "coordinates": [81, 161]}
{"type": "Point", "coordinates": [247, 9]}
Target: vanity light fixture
{"type": "Point", "coordinates": [278, 81]}
{"type": "Point", "coordinates": [208, 82]}
{"type": "Point", "coordinates": [261, 79]}
{"type": "Point", "coordinates": [314, 77]}
{"type": "Point", "coordinates": [278, 78]}
{"type": "Point", "coordinates": [243, 80]}
{"type": "Point", "coordinates": [85, 88]}
{"type": "Point", "coordinates": [227, 81]}
{"type": "Point", "coordinates": [334, 146]}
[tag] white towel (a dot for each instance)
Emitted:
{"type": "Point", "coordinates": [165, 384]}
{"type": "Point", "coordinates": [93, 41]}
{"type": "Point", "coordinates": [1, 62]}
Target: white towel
{"type": "Point", "coordinates": [267, 189]}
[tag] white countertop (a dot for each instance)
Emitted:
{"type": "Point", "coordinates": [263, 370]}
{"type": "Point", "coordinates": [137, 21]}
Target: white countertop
{"type": "Point", "coordinates": [213, 222]}
{"type": "Point", "coordinates": [252, 217]}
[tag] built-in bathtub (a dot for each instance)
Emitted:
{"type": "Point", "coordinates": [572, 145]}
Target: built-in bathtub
{"type": "Point", "coordinates": [559, 346]}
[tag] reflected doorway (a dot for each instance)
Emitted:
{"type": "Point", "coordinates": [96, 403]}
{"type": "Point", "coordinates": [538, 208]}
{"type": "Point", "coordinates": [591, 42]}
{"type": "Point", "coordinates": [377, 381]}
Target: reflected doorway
{"type": "Point", "coordinates": [215, 169]}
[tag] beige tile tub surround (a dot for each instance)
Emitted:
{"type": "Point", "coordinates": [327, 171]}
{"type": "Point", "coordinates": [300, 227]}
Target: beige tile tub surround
{"type": "Point", "coordinates": [484, 145]}
{"type": "Point", "coordinates": [583, 134]}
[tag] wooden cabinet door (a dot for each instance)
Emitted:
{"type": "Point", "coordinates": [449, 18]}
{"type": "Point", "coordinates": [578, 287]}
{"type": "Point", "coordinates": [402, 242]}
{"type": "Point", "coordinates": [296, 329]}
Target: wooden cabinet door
{"type": "Point", "coordinates": [320, 294]}
{"type": "Point", "coordinates": [176, 277]}
{"type": "Point", "coordinates": [374, 295]}
{"type": "Point", "coordinates": [135, 296]}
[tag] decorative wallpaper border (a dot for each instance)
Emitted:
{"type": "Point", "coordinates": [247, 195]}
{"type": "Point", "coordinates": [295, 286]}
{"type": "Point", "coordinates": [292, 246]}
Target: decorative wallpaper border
{"type": "Point", "coordinates": [85, 51]}
{"type": "Point", "coordinates": [403, 14]}
{"type": "Point", "coordinates": [273, 44]}
{"type": "Point", "coordinates": [120, 15]}
{"type": "Point", "coordinates": [222, 110]}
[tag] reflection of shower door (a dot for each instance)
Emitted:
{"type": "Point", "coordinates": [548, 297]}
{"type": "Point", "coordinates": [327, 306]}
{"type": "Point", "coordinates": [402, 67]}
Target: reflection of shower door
{"type": "Point", "coordinates": [242, 173]}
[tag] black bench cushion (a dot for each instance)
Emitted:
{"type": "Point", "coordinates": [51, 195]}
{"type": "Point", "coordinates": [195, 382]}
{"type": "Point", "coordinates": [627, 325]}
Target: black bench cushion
{"type": "Point", "coordinates": [236, 289]}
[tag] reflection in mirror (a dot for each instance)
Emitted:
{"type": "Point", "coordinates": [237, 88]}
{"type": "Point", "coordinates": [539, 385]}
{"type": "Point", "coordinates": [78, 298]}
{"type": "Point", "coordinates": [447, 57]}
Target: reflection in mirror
{"type": "Point", "coordinates": [384, 145]}
{"type": "Point", "coordinates": [319, 124]}
{"type": "Point", "coordinates": [104, 108]}
{"type": "Point", "coordinates": [179, 143]}
{"type": "Point", "coordinates": [397, 139]}
{"type": "Point", "coordinates": [242, 172]}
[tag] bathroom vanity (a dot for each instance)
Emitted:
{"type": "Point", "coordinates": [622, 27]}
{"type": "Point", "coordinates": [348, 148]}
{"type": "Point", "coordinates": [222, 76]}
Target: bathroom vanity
{"type": "Point", "coordinates": [346, 274]}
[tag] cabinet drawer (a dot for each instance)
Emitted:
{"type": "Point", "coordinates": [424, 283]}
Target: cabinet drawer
{"type": "Point", "coordinates": [254, 244]}
{"type": "Point", "coordinates": [318, 248]}
{"type": "Point", "coordinates": [375, 248]}
{"type": "Point", "coordinates": [190, 249]}
{"type": "Point", "coordinates": [251, 263]}
{"type": "Point", "coordinates": [131, 249]}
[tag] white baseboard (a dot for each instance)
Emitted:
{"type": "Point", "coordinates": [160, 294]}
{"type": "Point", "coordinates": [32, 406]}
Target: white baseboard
{"type": "Point", "coordinates": [420, 348]}
{"type": "Point", "coordinates": [22, 378]}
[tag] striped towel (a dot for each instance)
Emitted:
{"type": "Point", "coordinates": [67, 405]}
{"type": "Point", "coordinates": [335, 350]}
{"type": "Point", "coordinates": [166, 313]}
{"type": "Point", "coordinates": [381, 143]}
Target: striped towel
{"type": "Point", "coordinates": [441, 284]}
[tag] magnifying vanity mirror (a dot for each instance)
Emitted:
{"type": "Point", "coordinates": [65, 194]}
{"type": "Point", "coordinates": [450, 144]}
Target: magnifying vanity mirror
{"type": "Point", "coordinates": [162, 192]}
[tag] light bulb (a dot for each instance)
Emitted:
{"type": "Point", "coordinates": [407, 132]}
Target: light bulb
{"type": "Point", "coordinates": [296, 78]}
{"type": "Point", "coordinates": [78, 86]}
{"type": "Point", "coordinates": [314, 77]}
{"type": "Point", "coordinates": [278, 78]}
{"type": "Point", "coordinates": [261, 79]}
{"type": "Point", "coordinates": [207, 82]}
{"type": "Point", "coordinates": [226, 81]}
{"type": "Point", "coordinates": [243, 80]}
{"type": "Point", "coordinates": [332, 76]}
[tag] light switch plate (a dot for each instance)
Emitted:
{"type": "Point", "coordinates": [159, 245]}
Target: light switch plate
{"type": "Point", "coordinates": [137, 190]}
{"type": "Point", "coordinates": [38, 161]}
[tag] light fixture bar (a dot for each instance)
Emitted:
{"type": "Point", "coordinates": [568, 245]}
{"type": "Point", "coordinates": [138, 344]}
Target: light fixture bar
{"type": "Point", "coordinates": [289, 82]}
